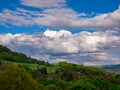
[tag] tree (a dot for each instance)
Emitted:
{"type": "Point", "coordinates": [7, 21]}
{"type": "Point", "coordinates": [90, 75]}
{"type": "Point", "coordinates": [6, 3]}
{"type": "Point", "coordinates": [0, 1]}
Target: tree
{"type": "Point", "coordinates": [14, 78]}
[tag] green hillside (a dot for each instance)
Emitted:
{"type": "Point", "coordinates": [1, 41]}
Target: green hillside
{"type": "Point", "coordinates": [19, 72]}
{"type": "Point", "coordinates": [7, 55]}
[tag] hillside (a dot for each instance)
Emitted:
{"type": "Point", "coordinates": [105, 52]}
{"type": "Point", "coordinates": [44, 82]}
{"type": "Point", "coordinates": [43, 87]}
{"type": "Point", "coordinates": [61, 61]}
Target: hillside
{"type": "Point", "coordinates": [111, 68]}
{"type": "Point", "coordinates": [7, 55]}
{"type": "Point", "coordinates": [45, 76]}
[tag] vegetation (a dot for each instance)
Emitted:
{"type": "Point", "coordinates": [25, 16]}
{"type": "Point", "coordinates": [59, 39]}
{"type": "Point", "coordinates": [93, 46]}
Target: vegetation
{"type": "Point", "coordinates": [23, 73]}
{"type": "Point", "coordinates": [7, 55]}
{"type": "Point", "coordinates": [14, 78]}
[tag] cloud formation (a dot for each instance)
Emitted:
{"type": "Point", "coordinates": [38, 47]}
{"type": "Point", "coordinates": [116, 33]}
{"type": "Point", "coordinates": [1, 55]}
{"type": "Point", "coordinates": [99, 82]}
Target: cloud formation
{"type": "Point", "coordinates": [84, 47]}
{"type": "Point", "coordinates": [44, 3]}
{"type": "Point", "coordinates": [56, 14]}
{"type": "Point", "coordinates": [17, 18]}
{"type": "Point", "coordinates": [100, 22]}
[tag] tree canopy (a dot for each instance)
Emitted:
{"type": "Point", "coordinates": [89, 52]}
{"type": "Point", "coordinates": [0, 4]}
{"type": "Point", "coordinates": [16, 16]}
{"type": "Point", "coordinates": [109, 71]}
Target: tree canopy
{"type": "Point", "coordinates": [14, 78]}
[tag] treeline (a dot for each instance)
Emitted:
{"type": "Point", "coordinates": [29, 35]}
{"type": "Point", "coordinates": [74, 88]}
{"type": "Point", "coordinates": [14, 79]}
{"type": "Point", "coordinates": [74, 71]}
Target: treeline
{"type": "Point", "coordinates": [7, 55]}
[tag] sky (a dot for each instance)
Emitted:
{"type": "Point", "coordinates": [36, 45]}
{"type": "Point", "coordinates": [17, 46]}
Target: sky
{"type": "Point", "coordinates": [78, 31]}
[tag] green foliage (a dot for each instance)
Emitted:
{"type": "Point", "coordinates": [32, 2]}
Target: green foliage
{"type": "Point", "coordinates": [4, 49]}
{"type": "Point", "coordinates": [29, 70]}
{"type": "Point", "coordinates": [77, 77]}
{"type": "Point", "coordinates": [0, 62]}
{"type": "Point", "coordinates": [7, 55]}
{"type": "Point", "coordinates": [14, 78]}
{"type": "Point", "coordinates": [60, 76]}
{"type": "Point", "coordinates": [66, 77]}
{"type": "Point", "coordinates": [51, 87]}
{"type": "Point", "coordinates": [43, 70]}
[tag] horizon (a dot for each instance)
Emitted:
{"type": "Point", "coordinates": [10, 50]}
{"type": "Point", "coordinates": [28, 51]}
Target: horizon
{"type": "Point", "coordinates": [82, 32]}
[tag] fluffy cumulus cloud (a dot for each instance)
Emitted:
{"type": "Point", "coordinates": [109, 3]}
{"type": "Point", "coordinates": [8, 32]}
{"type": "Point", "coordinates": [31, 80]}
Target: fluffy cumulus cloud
{"type": "Point", "coordinates": [61, 33]}
{"type": "Point", "coordinates": [84, 47]}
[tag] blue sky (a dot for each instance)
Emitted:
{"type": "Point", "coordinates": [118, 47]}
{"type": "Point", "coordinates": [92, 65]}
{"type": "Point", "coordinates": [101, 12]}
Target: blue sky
{"type": "Point", "coordinates": [79, 31]}
{"type": "Point", "coordinates": [97, 6]}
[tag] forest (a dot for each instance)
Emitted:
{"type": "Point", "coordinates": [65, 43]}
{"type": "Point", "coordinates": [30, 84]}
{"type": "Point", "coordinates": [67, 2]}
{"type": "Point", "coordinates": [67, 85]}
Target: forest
{"type": "Point", "coordinates": [20, 72]}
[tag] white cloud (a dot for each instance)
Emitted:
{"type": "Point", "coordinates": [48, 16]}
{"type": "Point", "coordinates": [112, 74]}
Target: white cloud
{"type": "Point", "coordinates": [84, 47]}
{"type": "Point", "coordinates": [62, 17]}
{"type": "Point", "coordinates": [69, 19]}
{"type": "Point", "coordinates": [15, 18]}
{"type": "Point", "coordinates": [59, 17]}
{"type": "Point", "coordinates": [44, 3]}
{"type": "Point", "coordinates": [100, 22]}
{"type": "Point", "coordinates": [53, 34]}
{"type": "Point", "coordinates": [5, 38]}
{"type": "Point", "coordinates": [49, 33]}
{"type": "Point", "coordinates": [101, 58]}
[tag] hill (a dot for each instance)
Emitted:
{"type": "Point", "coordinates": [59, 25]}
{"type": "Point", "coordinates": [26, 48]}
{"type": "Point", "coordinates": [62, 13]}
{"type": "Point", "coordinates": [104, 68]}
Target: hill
{"type": "Point", "coordinates": [46, 76]}
{"type": "Point", "coordinates": [111, 68]}
{"type": "Point", "coordinates": [7, 55]}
